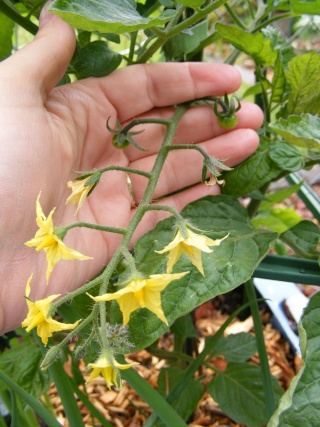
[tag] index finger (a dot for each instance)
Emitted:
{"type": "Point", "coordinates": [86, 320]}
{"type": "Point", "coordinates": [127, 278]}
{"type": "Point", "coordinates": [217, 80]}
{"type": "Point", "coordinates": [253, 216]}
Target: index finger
{"type": "Point", "coordinates": [139, 88]}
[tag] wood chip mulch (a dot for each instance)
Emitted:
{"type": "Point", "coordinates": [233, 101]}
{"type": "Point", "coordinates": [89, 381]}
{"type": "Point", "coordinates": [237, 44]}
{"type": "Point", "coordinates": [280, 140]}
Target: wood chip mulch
{"type": "Point", "coordinates": [125, 408]}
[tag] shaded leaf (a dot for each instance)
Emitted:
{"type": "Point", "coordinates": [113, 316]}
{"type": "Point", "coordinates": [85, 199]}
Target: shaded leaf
{"type": "Point", "coordinates": [21, 363]}
{"type": "Point", "coordinates": [185, 43]}
{"type": "Point", "coordinates": [255, 45]}
{"type": "Point", "coordinates": [6, 30]}
{"type": "Point", "coordinates": [265, 165]}
{"type": "Point", "coordinates": [278, 82]}
{"type": "Point", "coordinates": [226, 267]}
{"type": "Point", "coordinates": [95, 59]}
{"type": "Point", "coordinates": [300, 404]}
{"type": "Point", "coordinates": [303, 77]}
{"type": "Point", "coordinates": [239, 392]}
{"type": "Point", "coordinates": [184, 327]}
{"type": "Point", "coordinates": [187, 401]}
{"type": "Point", "coordinates": [117, 16]}
{"type": "Point", "coordinates": [303, 130]}
{"type": "Point", "coordinates": [303, 236]}
{"type": "Point", "coordinates": [236, 348]}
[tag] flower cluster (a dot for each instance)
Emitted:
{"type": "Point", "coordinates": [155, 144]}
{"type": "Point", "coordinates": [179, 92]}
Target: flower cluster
{"type": "Point", "coordinates": [138, 291]}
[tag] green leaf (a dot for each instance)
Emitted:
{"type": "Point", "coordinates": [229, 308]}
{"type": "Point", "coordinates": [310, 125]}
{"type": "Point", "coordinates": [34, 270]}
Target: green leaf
{"type": "Point", "coordinates": [303, 130]}
{"type": "Point", "coordinates": [304, 79]}
{"type": "Point", "coordinates": [306, 7]}
{"type": "Point", "coordinates": [95, 59]}
{"type": "Point", "coordinates": [278, 82]}
{"type": "Point", "coordinates": [184, 327]}
{"type": "Point", "coordinates": [187, 401]}
{"type": "Point", "coordinates": [192, 3]}
{"type": "Point", "coordinates": [239, 392]}
{"type": "Point", "coordinates": [300, 404]}
{"type": "Point", "coordinates": [6, 30]}
{"type": "Point", "coordinates": [303, 236]}
{"type": "Point", "coordinates": [279, 196]}
{"type": "Point", "coordinates": [236, 348]}
{"type": "Point", "coordinates": [266, 164]}
{"type": "Point", "coordinates": [279, 43]}
{"type": "Point", "coordinates": [21, 363]}
{"type": "Point", "coordinates": [186, 42]}
{"type": "Point", "coordinates": [226, 267]}
{"type": "Point", "coordinates": [277, 219]}
{"type": "Point", "coordinates": [117, 16]}
{"type": "Point", "coordinates": [286, 157]}
{"type": "Point", "coordinates": [255, 45]}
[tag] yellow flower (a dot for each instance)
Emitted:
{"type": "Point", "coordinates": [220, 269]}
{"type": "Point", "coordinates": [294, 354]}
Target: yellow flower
{"type": "Point", "coordinates": [79, 192]}
{"type": "Point", "coordinates": [46, 239]}
{"type": "Point", "coordinates": [192, 247]}
{"type": "Point", "coordinates": [38, 317]}
{"type": "Point", "coordinates": [110, 371]}
{"type": "Point", "coordinates": [142, 293]}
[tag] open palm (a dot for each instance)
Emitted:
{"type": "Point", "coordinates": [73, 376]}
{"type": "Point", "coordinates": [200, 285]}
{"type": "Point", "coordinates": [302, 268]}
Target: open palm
{"type": "Point", "coordinates": [46, 133]}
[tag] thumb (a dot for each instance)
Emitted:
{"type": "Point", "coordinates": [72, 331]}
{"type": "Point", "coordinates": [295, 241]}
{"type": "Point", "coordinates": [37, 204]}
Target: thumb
{"type": "Point", "coordinates": [46, 58]}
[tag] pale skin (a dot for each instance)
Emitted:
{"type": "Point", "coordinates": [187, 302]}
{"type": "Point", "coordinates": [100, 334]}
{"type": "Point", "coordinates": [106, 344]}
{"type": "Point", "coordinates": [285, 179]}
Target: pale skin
{"type": "Point", "coordinates": [46, 132]}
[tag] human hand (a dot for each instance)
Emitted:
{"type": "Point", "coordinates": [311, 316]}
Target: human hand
{"type": "Point", "coordinates": [47, 131]}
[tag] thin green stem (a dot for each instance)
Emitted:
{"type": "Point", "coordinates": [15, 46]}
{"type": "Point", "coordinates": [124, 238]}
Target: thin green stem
{"type": "Point", "coordinates": [93, 227]}
{"type": "Point", "coordinates": [254, 204]}
{"type": "Point", "coordinates": [94, 282]}
{"type": "Point", "coordinates": [263, 355]}
{"type": "Point", "coordinates": [271, 20]}
{"type": "Point", "coordinates": [136, 122]}
{"type": "Point", "coordinates": [179, 11]}
{"type": "Point", "coordinates": [266, 104]}
{"type": "Point", "coordinates": [133, 40]}
{"type": "Point", "coordinates": [116, 168]}
{"type": "Point", "coordinates": [249, 3]}
{"type": "Point", "coordinates": [132, 265]}
{"type": "Point", "coordinates": [234, 17]}
{"type": "Point", "coordinates": [173, 211]}
{"type": "Point", "coordinates": [78, 328]}
{"type": "Point", "coordinates": [198, 15]}
{"type": "Point", "coordinates": [146, 199]}
{"type": "Point", "coordinates": [11, 12]}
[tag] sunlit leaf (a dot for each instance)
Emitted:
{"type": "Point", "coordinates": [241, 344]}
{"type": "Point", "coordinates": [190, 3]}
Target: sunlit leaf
{"type": "Point", "coordinates": [117, 16]}
{"type": "Point", "coordinates": [192, 3]}
{"type": "Point", "coordinates": [304, 79]}
{"type": "Point", "coordinates": [303, 130]}
{"type": "Point", "coordinates": [255, 45]}
{"type": "Point", "coordinates": [277, 219]}
{"type": "Point", "coordinates": [310, 7]}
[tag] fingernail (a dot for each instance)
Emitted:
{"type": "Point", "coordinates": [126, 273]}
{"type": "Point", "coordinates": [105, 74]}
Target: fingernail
{"type": "Point", "coordinates": [45, 14]}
